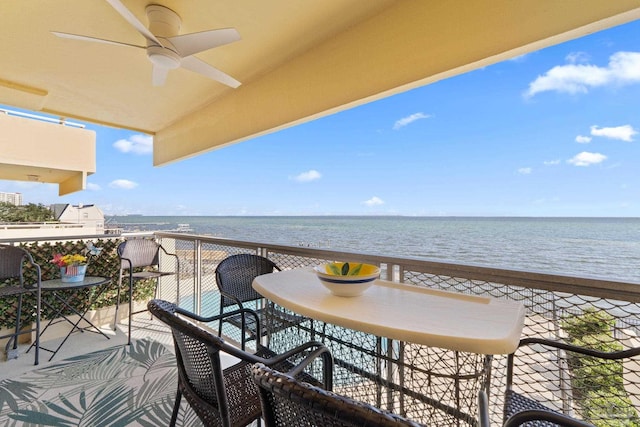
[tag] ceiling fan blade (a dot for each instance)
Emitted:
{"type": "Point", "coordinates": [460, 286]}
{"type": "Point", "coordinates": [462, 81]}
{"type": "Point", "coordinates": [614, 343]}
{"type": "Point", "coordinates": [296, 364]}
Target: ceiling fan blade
{"type": "Point", "coordinates": [92, 39]}
{"type": "Point", "coordinates": [192, 63]}
{"type": "Point", "coordinates": [159, 75]}
{"type": "Point", "coordinates": [131, 19]}
{"type": "Point", "coordinates": [189, 44]}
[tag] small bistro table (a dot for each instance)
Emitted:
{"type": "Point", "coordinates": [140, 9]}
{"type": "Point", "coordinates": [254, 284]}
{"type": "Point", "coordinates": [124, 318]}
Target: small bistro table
{"type": "Point", "coordinates": [416, 341]}
{"type": "Point", "coordinates": [55, 286]}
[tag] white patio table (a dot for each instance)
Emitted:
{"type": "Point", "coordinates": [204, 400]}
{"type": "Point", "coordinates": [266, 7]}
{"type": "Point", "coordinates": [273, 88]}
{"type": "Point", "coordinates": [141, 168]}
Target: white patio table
{"type": "Point", "coordinates": [426, 324]}
{"type": "Point", "coordinates": [403, 312]}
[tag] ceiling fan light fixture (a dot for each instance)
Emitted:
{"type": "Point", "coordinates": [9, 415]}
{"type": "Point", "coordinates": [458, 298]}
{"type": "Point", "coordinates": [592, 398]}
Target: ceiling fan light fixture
{"type": "Point", "coordinates": [163, 57]}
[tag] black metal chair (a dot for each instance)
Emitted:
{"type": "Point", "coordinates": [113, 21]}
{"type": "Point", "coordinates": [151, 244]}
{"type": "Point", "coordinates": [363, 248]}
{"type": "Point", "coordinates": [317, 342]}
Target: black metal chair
{"type": "Point", "coordinates": [234, 277]}
{"type": "Point", "coordinates": [139, 260]}
{"type": "Point", "coordinates": [522, 410]}
{"type": "Point", "coordinates": [227, 396]}
{"type": "Point", "coordinates": [288, 402]}
{"type": "Point", "coordinates": [12, 261]}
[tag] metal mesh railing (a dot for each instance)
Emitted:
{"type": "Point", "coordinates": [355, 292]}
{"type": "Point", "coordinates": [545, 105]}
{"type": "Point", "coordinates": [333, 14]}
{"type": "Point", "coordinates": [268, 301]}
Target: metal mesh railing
{"type": "Point", "coordinates": [388, 373]}
{"type": "Point", "coordinates": [439, 386]}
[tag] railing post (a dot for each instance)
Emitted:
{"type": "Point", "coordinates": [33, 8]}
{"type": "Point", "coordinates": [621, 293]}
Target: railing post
{"type": "Point", "coordinates": [197, 277]}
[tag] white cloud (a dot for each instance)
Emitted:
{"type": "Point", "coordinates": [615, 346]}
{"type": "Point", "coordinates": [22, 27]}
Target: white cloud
{"type": "Point", "coordinates": [577, 57]}
{"type": "Point", "coordinates": [586, 159]}
{"type": "Point", "coordinates": [623, 133]}
{"type": "Point", "coordinates": [623, 68]}
{"type": "Point", "coordinates": [581, 139]}
{"type": "Point", "coordinates": [123, 184]}
{"type": "Point", "coordinates": [308, 176]}
{"type": "Point", "coordinates": [551, 162]}
{"type": "Point", "coordinates": [93, 187]}
{"type": "Point", "coordinates": [137, 144]}
{"type": "Point", "coordinates": [374, 201]}
{"type": "Point", "coordinates": [409, 119]}
{"type": "Point", "coordinates": [525, 171]}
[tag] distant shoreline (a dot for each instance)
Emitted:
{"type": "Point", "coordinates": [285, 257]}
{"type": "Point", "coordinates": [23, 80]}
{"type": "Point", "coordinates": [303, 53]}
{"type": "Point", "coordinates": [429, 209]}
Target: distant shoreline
{"type": "Point", "coordinates": [374, 216]}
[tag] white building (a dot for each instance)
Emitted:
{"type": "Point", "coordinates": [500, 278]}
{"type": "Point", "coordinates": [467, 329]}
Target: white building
{"type": "Point", "coordinates": [71, 220]}
{"type": "Point", "coordinates": [13, 198]}
{"type": "Point", "coordinates": [90, 216]}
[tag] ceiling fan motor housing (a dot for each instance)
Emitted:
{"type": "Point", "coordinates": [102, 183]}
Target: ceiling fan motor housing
{"type": "Point", "coordinates": [163, 23]}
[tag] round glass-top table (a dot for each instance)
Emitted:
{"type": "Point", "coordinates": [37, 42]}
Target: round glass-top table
{"type": "Point", "coordinates": [62, 306]}
{"type": "Point", "coordinates": [58, 284]}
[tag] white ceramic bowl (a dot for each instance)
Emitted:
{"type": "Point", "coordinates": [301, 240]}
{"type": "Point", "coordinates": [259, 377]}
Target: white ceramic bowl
{"type": "Point", "coordinates": [357, 279]}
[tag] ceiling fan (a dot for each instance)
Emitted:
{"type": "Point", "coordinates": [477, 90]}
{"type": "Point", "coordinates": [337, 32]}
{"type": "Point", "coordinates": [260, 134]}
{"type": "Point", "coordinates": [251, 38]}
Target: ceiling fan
{"type": "Point", "coordinates": [165, 48]}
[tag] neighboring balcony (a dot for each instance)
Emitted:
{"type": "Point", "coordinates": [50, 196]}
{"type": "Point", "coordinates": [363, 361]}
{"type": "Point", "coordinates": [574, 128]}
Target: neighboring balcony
{"type": "Point", "coordinates": [39, 149]}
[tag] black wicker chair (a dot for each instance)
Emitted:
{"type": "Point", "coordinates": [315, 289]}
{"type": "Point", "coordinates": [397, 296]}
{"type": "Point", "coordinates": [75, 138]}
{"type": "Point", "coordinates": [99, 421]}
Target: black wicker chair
{"type": "Point", "coordinates": [137, 254]}
{"type": "Point", "coordinates": [288, 402]}
{"type": "Point", "coordinates": [522, 410]}
{"type": "Point", "coordinates": [12, 261]}
{"type": "Point", "coordinates": [234, 277]}
{"type": "Point", "coordinates": [227, 396]}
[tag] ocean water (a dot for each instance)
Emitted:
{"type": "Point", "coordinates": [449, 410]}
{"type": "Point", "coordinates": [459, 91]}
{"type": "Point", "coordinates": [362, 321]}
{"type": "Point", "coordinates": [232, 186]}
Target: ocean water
{"type": "Point", "coordinates": [606, 248]}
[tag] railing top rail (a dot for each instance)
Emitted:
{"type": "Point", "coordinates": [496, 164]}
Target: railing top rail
{"type": "Point", "coordinates": [12, 240]}
{"type": "Point", "coordinates": [591, 286]}
{"type": "Point", "coordinates": [62, 121]}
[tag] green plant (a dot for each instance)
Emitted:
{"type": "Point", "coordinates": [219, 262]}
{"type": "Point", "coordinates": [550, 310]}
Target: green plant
{"type": "Point", "coordinates": [589, 323]}
{"type": "Point", "coordinates": [105, 265]}
{"type": "Point", "coordinates": [598, 384]}
{"type": "Point", "coordinates": [25, 213]}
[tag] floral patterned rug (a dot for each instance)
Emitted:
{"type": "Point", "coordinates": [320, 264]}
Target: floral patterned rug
{"type": "Point", "coordinates": [123, 386]}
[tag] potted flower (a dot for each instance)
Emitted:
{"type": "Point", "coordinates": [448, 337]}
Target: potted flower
{"type": "Point", "coordinates": [73, 267]}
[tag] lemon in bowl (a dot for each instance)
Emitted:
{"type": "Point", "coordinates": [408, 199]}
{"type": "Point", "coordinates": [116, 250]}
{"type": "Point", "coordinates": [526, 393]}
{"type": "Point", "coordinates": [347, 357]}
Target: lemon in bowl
{"type": "Point", "coordinates": [347, 279]}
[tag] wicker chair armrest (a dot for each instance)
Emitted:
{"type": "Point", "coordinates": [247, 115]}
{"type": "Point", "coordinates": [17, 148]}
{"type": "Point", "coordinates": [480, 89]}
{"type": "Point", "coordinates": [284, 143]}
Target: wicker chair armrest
{"type": "Point", "coordinates": [128, 261]}
{"type": "Point", "coordinates": [541, 415]}
{"type": "Point", "coordinates": [613, 355]}
{"type": "Point", "coordinates": [220, 317]}
{"type": "Point", "coordinates": [38, 283]}
{"type": "Point", "coordinates": [216, 317]}
{"type": "Point", "coordinates": [231, 297]}
{"type": "Point", "coordinates": [166, 252]}
{"type": "Point", "coordinates": [327, 365]}
{"type": "Point", "coordinates": [317, 349]}
{"type": "Point", "coordinates": [294, 351]}
{"type": "Point", "coordinates": [172, 255]}
{"type": "Point", "coordinates": [227, 348]}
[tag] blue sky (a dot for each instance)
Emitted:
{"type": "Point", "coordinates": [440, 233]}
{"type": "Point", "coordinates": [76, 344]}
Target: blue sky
{"type": "Point", "coordinates": [551, 133]}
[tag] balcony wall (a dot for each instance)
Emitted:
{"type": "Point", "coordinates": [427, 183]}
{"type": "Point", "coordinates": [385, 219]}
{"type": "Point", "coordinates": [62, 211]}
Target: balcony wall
{"type": "Point", "coordinates": [41, 151]}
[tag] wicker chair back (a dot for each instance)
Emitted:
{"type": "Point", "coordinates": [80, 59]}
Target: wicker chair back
{"type": "Point", "coordinates": [227, 396]}
{"type": "Point", "coordinates": [287, 402]}
{"type": "Point", "coordinates": [135, 254]}
{"type": "Point", "coordinates": [219, 397]}
{"type": "Point", "coordinates": [12, 261]}
{"type": "Point", "coordinates": [138, 253]}
{"type": "Point", "coordinates": [235, 274]}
